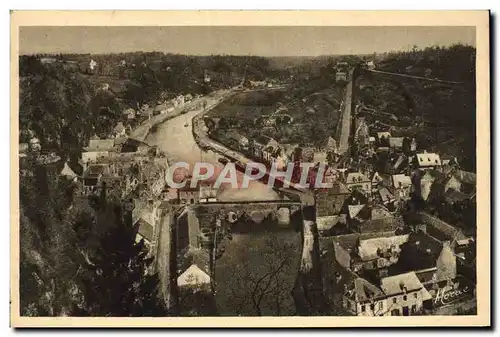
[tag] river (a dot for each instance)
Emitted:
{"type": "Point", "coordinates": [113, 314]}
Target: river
{"type": "Point", "coordinates": [177, 141]}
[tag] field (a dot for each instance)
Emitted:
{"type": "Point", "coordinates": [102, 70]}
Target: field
{"type": "Point", "coordinates": [314, 117]}
{"type": "Point", "coordinates": [249, 105]}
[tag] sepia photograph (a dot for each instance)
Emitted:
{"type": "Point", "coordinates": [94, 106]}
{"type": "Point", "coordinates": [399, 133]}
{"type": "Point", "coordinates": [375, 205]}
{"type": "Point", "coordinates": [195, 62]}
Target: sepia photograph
{"type": "Point", "coordinates": [213, 174]}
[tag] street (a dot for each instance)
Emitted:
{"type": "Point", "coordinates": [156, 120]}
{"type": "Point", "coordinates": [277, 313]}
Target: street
{"type": "Point", "coordinates": [345, 120]}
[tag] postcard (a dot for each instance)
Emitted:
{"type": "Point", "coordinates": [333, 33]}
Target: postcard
{"type": "Point", "coordinates": [250, 169]}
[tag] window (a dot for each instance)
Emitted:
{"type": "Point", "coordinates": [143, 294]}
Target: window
{"type": "Point", "coordinates": [395, 312]}
{"type": "Point", "coordinates": [413, 309]}
{"type": "Point", "coordinates": [394, 300]}
{"type": "Point", "coordinates": [380, 305]}
{"type": "Point", "coordinates": [363, 308]}
{"type": "Point", "coordinates": [415, 295]}
{"type": "Point", "coordinates": [405, 298]}
{"type": "Point", "coordinates": [372, 307]}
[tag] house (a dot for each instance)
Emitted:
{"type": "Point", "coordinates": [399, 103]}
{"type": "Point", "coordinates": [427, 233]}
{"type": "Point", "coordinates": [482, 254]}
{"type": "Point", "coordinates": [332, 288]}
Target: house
{"type": "Point", "coordinates": [413, 145]}
{"type": "Point", "coordinates": [273, 154]}
{"type": "Point", "coordinates": [377, 181]}
{"type": "Point", "coordinates": [100, 145]}
{"type": "Point", "coordinates": [331, 145]}
{"type": "Point", "coordinates": [188, 195]}
{"type": "Point", "coordinates": [386, 196]}
{"type": "Point", "coordinates": [307, 154]}
{"type": "Point", "coordinates": [35, 144]}
{"type": "Point", "coordinates": [23, 149]}
{"type": "Point", "coordinates": [261, 142]}
{"type": "Point", "coordinates": [370, 65]}
{"type": "Point", "coordinates": [357, 180]}
{"type": "Point", "coordinates": [145, 231]}
{"type": "Point", "coordinates": [466, 181]}
{"type": "Point", "coordinates": [383, 138]}
{"type": "Point", "coordinates": [131, 145]}
{"type": "Point", "coordinates": [207, 193]}
{"type": "Point", "coordinates": [119, 130]}
{"type": "Point", "coordinates": [396, 143]}
{"type": "Point", "coordinates": [48, 60]}
{"type": "Point", "coordinates": [354, 212]}
{"type": "Point", "coordinates": [362, 135]}
{"type": "Point", "coordinates": [92, 179]}
{"type": "Point", "coordinates": [238, 140]}
{"type": "Point", "coordinates": [320, 156]}
{"type": "Point", "coordinates": [405, 294]}
{"type": "Point", "coordinates": [327, 225]}
{"type": "Point", "coordinates": [401, 186]}
{"type": "Point", "coordinates": [439, 229]}
{"type": "Point", "coordinates": [431, 181]}
{"type": "Point", "coordinates": [363, 298]}
{"type": "Point", "coordinates": [453, 196]}
{"type": "Point", "coordinates": [397, 164]}
{"type": "Point", "coordinates": [92, 65]}
{"type": "Point", "coordinates": [281, 159]}
{"type": "Point", "coordinates": [197, 273]}
{"type": "Point", "coordinates": [68, 172]}
{"type": "Point", "coordinates": [258, 83]}
{"type": "Point", "coordinates": [331, 201]}
{"type": "Point", "coordinates": [129, 113]}
{"type": "Point", "coordinates": [427, 161]}
{"type": "Point", "coordinates": [289, 151]}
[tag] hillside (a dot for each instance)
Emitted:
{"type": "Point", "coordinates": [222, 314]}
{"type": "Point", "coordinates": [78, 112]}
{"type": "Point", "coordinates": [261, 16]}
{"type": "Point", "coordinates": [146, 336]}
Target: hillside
{"type": "Point", "coordinates": [441, 115]}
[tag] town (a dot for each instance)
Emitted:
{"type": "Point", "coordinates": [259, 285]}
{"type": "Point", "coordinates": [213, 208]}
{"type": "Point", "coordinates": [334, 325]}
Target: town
{"type": "Point", "coordinates": [393, 235]}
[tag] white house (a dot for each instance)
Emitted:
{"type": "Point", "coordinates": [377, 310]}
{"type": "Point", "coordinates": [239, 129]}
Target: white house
{"type": "Point", "coordinates": [193, 276]}
{"type": "Point", "coordinates": [428, 160]}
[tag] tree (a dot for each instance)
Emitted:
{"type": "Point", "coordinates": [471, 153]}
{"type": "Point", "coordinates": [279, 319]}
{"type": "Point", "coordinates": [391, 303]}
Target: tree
{"type": "Point", "coordinates": [263, 280]}
{"type": "Point", "coordinates": [117, 281]}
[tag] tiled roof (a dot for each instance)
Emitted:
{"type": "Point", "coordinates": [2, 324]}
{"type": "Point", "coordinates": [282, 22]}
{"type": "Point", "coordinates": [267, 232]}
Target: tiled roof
{"type": "Point", "coordinates": [95, 170]}
{"type": "Point", "coordinates": [440, 229]}
{"type": "Point", "coordinates": [327, 222]}
{"type": "Point", "coordinates": [354, 210]}
{"type": "Point", "coordinates": [365, 291]}
{"type": "Point", "coordinates": [427, 159]}
{"type": "Point", "coordinates": [145, 229]}
{"type": "Point", "coordinates": [401, 180]}
{"type": "Point", "coordinates": [394, 285]}
{"type": "Point", "coordinates": [368, 248]}
{"type": "Point", "coordinates": [101, 144]}
{"type": "Point", "coordinates": [356, 177]}
{"type": "Point", "coordinates": [385, 195]}
{"type": "Point", "coordinates": [426, 275]}
{"type": "Point", "coordinates": [465, 176]}
{"type": "Point", "coordinates": [385, 134]}
{"type": "Point", "coordinates": [453, 195]}
{"type": "Point", "coordinates": [396, 141]}
{"type": "Point", "coordinates": [197, 256]}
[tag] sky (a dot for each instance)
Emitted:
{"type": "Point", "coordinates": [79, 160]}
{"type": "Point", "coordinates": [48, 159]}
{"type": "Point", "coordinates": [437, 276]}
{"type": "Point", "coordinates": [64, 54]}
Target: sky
{"type": "Point", "coordinates": [238, 40]}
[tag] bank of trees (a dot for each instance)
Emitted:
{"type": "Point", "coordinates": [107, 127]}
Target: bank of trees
{"type": "Point", "coordinates": [78, 257]}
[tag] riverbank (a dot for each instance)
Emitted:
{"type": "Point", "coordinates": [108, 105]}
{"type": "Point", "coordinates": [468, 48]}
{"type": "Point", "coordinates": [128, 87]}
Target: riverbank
{"type": "Point", "coordinates": [143, 130]}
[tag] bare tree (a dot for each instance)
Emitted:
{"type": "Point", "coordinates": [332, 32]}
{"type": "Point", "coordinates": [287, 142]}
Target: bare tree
{"type": "Point", "coordinates": [263, 280]}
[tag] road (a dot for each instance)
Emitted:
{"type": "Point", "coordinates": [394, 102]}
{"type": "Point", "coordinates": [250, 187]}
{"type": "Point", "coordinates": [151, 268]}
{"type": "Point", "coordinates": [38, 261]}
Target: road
{"type": "Point", "coordinates": [177, 141]}
{"type": "Point", "coordinates": [346, 118]}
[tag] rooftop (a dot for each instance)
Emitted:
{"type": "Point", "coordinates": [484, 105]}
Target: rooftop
{"type": "Point", "coordinates": [397, 284]}
{"type": "Point", "coordinates": [369, 248]}
{"type": "Point", "coordinates": [356, 177]}
{"type": "Point", "coordinates": [427, 159]}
